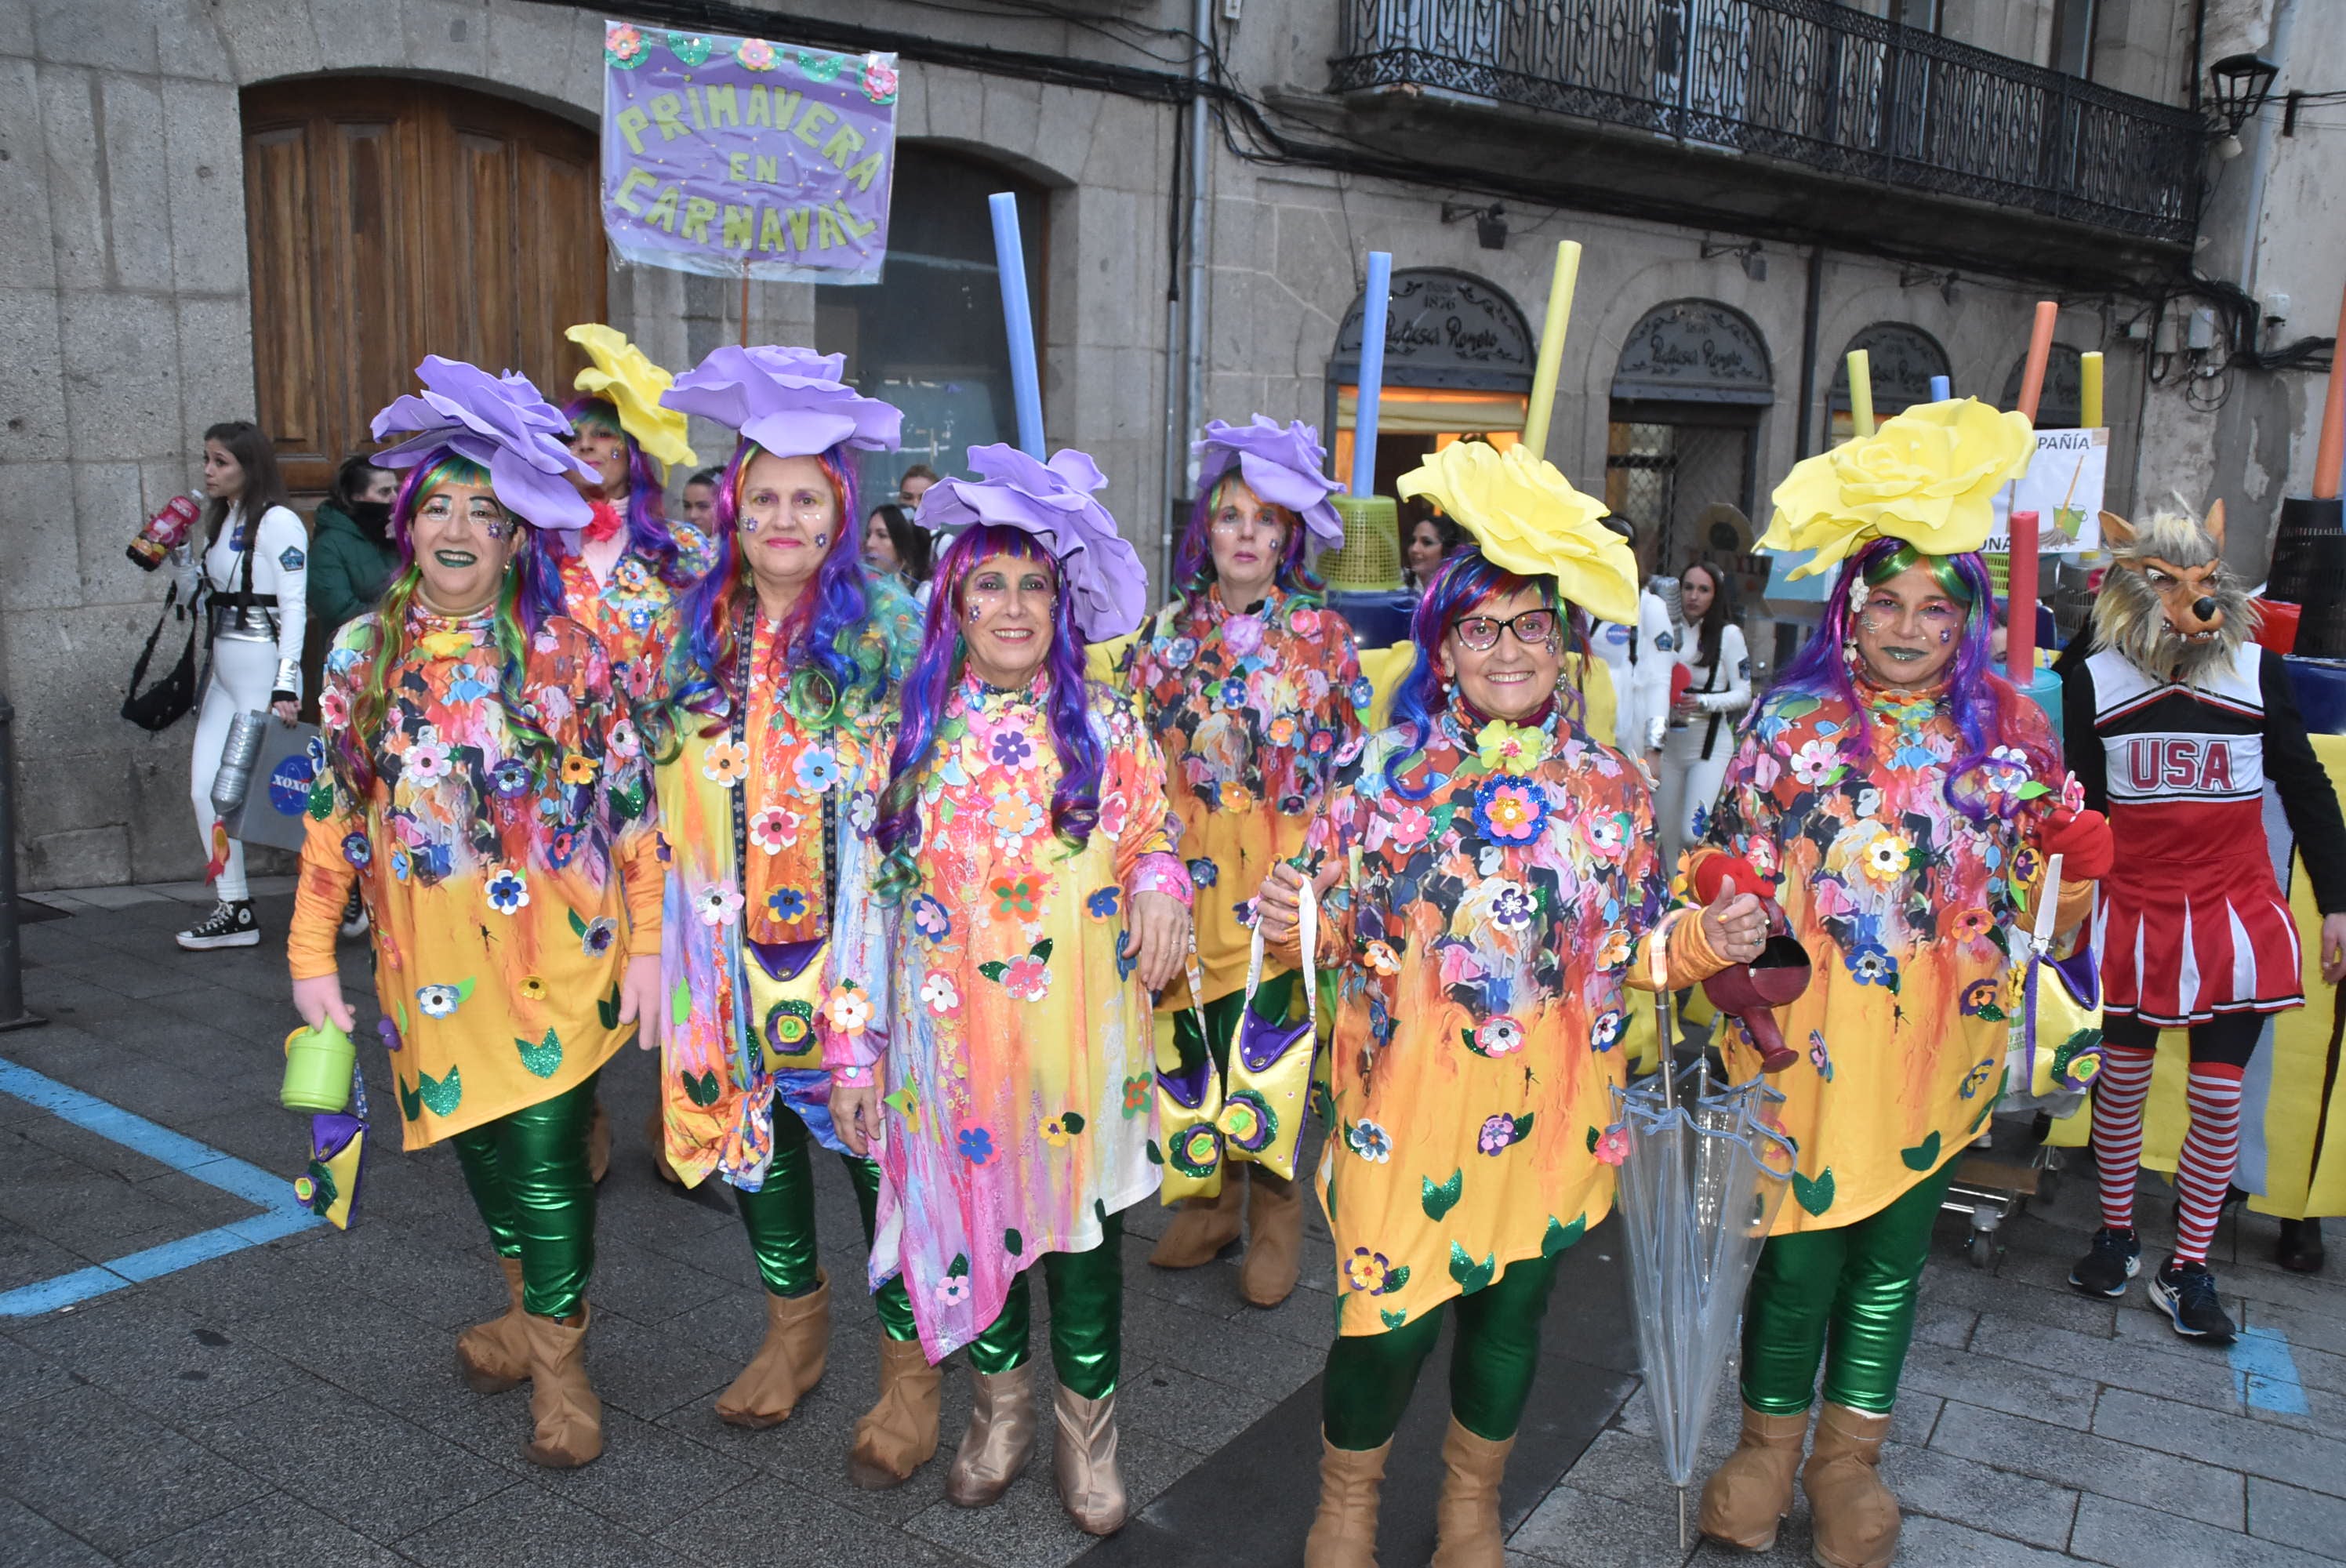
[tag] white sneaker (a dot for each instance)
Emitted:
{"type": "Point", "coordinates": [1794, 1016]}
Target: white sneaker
{"type": "Point", "coordinates": [229, 925]}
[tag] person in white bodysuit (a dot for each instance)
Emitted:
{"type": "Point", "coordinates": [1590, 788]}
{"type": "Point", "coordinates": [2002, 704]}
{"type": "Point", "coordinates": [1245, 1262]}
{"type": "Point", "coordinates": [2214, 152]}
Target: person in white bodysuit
{"type": "Point", "coordinates": [1701, 736]}
{"type": "Point", "coordinates": [1638, 659]}
{"type": "Point", "coordinates": [252, 565]}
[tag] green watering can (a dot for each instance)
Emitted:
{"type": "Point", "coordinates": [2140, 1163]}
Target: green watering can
{"type": "Point", "coordinates": [318, 1063]}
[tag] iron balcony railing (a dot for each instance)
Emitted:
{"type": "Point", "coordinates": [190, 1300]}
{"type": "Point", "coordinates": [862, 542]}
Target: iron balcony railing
{"type": "Point", "coordinates": [1808, 81]}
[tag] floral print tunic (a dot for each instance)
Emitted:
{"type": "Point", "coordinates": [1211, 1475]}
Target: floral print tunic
{"type": "Point", "coordinates": [629, 610]}
{"type": "Point", "coordinates": [1906, 907]}
{"type": "Point", "coordinates": [1018, 1078]}
{"type": "Point", "coordinates": [749, 947]}
{"type": "Point", "coordinates": [1256, 713]}
{"type": "Point", "coordinates": [494, 886]}
{"type": "Point", "coordinates": [1486, 918]}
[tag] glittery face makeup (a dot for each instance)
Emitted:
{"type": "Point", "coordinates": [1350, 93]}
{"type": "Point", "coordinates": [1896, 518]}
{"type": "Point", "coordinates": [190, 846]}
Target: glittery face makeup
{"type": "Point", "coordinates": [463, 540]}
{"type": "Point", "coordinates": [787, 518]}
{"type": "Point", "coordinates": [1907, 628]}
{"type": "Point", "coordinates": [1008, 604]}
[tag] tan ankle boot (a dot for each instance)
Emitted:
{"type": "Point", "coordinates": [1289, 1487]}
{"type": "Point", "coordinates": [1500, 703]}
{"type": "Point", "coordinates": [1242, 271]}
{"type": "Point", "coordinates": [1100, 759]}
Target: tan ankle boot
{"type": "Point", "coordinates": [1274, 1254]}
{"type": "Point", "coordinates": [598, 1144]}
{"type": "Point", "coordinates": [1748, 1496]}
{"type": "Point", "coordinates": [1000, 1439]}
{"type": "Point", "coordinates": [789, 1363]}
{"type": "Point", "coordinates": [1855, 1515]}
{"type": "Point", "coordinates": [569, 1418]}
{"type": "Point", "coordinates": [1345, 1531]}
{"type": "Point", "coordinates": [493, 1357]}
{"type": "Point", "coordinates": [1083, 1457]}
{"type": "Point", "coordinates": [1204, 1225]}
{"type": "Point", "coordinates": [656, 1134]}
{"type": "Point", "coordinates": [899, 1433]}
{"type": "Point", "coordinates": [1466, 1519]}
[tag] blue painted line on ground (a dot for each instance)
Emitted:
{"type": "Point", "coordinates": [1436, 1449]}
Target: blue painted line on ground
{"type": "Point", "coordinates": [2265, 1374]}
{"type": "Point", "coordinates": [281, 1213]}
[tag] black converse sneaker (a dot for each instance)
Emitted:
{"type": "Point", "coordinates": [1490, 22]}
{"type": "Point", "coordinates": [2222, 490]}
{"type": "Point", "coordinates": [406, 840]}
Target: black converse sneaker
{"type": "Point", "coordinates": [354, 915]}
{"type": "Point", "coordinates": [2116, 1258]}
{"type": "Point", "coordinates": [2185, 1292]}
{"type": "Point", "coordinates": [229, 925]}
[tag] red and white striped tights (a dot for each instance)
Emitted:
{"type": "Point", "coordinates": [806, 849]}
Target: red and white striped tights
{"type": "Point", "coordinates": [2220, 1050]}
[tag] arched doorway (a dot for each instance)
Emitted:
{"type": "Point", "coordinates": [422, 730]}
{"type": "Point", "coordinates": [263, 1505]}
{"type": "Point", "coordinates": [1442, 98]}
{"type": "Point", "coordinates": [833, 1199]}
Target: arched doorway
{"type": "Point", "coordinates": [1458, 362]}
{"type": "Point", "coordinates": [1900, 360]}
{"type": "Point", "coordinates": [390, 219]}
{"type": "Point", "coordinates": [1682, 454]}
{"type": "Point", "coordinates": [928, 337]}
{"type": "Point", "coordinates": [2061, 404]}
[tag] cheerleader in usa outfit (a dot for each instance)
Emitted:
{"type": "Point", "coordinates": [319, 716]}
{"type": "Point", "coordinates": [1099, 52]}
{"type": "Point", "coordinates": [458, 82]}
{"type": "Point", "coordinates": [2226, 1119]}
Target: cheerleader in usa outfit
{"type": "Point", "coordinates": [488, 793]}
{"type": "Point", "coordinates": [1030, 901]}
{"type": "Point", "coordinates": [1905, 798]}
{"type": "Point", "coordinates": [1489, 891]}
{"type": "Point", "coordinates": [1250, 682]}
{"type": "Point", "coordinates": [784, 659]}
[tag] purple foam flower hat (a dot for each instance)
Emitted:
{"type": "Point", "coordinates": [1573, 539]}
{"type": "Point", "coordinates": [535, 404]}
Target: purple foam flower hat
{"type": "Point", "coordinates": [1055, 501]}
{"type": "Point", "coordinates": [1281, 464]}
{"type": "Point", "coordinates": [790, 402]}
{"type": "Point", "coordinates": [500, 423]}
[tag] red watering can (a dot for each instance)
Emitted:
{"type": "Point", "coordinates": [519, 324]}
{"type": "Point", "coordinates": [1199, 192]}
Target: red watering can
{"type": "Point", "coordinates": [1747, 990]}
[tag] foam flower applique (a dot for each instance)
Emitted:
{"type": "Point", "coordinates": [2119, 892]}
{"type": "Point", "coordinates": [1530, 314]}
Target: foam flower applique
{"type": "Point", "coordinates": [1928, 476]}
{"type": "Point", "coordinates": [618, 373]}
{"type": "Point", "coordinates": [500, 423]}
{"type": "Point", "coordinates": [1504, 748]}
{"type": "Point", "coordinates": [1282, 465]}
{"type": "Point", "coordinates": [1529, 520]}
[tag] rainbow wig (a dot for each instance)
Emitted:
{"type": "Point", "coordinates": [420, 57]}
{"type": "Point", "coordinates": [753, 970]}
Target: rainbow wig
{"type": "Point", "coordinates": [1983, 701]}
{"type": "Point", "coordinates": [1463, 583]}
{"type": "Point", "coordinates": [939, 667]}
{"type": "Point", "coordinates": [529, 597]}
{"type": "Point", "coordinates": [1193, 560]}
{"type": "Point", "coordinates": [818, 641]}
{"type": "Point", "coordinates": [648, 533]}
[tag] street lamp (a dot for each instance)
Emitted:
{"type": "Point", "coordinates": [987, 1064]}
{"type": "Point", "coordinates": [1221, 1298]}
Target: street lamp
{"type": "Point", "coordinates": [2242, 83]}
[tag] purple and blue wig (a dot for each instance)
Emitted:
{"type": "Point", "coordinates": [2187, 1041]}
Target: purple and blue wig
{"type": "Point", "coordinates": [529, 597]}
{"type": "Point", "coordinates": [1982, 701]}
{"type": "Point", "coordinates": [1463, 584]}
{"type": "Point", "coordinates": [648, 533]}
{"type": "Point", "coordinates": [1193, 559]}
{"type": "Point", "coordinates": [939, 667]}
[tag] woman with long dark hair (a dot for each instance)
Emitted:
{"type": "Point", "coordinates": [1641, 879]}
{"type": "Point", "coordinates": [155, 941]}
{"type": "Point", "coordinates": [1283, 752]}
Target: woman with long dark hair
{"type": "Point", "coordinates": [484, 787]}
{"type": "Point", "coordinates": [895, 545]}
{"type": "Point", "coordinates": [782, 664]}
{"type": "Point", "coordinates": [1488, 891]}
{"type": "Point", "coordinates": [352, 558]}
{"type": "Point", "coordinates": [1249, 683]}
{"type": "Point", "coordinates": [1033, 901]}
{"type": "Point", "coordinates": [1904, 798]}
{"type": "Point", "coordinates": [253, 571]}
{"type": "Point", "coordinates": [1702, 732]}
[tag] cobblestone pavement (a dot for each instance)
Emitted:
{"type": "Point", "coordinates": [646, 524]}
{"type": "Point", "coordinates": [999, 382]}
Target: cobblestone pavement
{"type": "Point", "coordinates": [292, 1401]}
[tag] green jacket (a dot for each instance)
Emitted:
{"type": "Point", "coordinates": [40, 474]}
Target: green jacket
{"type": "Point", "coordinates": [348, 571]}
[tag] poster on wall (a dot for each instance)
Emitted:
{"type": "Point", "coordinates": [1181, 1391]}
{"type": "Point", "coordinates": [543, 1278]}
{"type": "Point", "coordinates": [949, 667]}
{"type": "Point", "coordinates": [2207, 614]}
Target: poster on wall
{"type": "Point", "coordinates": [2063, 487]}
{"type": "Point", "coordinates": [741, 158]}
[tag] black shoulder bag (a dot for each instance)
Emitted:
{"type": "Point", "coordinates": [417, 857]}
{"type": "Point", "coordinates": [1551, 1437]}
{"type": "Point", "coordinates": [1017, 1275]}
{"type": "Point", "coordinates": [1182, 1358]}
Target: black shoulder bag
{"type": "Point", "coordinates": [158, 706]}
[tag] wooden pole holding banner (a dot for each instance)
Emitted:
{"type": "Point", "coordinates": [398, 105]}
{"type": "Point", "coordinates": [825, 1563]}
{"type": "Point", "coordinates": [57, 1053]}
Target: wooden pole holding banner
{"type": "Point", "coordinates": [745, 301]}
{"type": "Point", "coordinates": [1018, 321]}
{"type": "Point", "coordinates": [1861, 393]}
{"type": "Point", "coordinates": [1551, 347]}
{"type": "Point", "coordinates": [1374, 303]}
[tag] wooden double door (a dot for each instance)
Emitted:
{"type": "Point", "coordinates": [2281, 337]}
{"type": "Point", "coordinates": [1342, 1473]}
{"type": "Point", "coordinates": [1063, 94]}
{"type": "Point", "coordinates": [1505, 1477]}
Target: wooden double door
{"type": "Point", "coordinates": [390, 219]}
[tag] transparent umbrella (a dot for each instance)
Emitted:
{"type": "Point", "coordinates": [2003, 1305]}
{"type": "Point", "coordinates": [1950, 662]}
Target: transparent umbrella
{"type": "Point", "coordinates": [1701, 1176]}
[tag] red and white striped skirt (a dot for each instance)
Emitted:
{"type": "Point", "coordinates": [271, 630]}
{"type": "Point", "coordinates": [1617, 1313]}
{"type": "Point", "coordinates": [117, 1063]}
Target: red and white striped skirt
{"type": "Point", "coordinates": [2175, 959]}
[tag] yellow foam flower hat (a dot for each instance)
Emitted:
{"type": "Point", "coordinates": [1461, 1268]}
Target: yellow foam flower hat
{"type": "Point", "coordinates": [619, 374]}
{"type": "Point", "coordinates": [1530, 520]}
{"type": "Point", "coordinates": [1928, 476]}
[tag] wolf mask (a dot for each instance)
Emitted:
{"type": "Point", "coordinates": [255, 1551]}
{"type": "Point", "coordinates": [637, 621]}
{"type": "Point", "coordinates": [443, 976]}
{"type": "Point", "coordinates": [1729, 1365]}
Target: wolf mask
{"type": "Point", "coordinates": [2166, 602]}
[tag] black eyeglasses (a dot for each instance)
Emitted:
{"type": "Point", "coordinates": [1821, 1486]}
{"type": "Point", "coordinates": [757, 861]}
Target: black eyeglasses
{"type": "Point", "coordinates": [1481, 633]}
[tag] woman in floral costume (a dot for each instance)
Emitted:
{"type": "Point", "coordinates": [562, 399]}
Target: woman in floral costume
{"type": "Point", "coordinates": [783, 659]}
{"type": "Point", "coordinates": [1897, 790]}
{"type": "Point", "coordinates": [1489, 889]}
{"type": "Point", "coordinates": [1035, 901]}
{"type": "Point", "coordinates": [488, 794]}
{"type": "Point", "coordinates": [1249, 683]}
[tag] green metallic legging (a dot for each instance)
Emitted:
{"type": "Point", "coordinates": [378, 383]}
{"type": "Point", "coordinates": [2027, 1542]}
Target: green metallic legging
{"type": "Point", "coordinates": [1086, 1318]}
{"type": "Point", "coordinates": [1271, 999]}
{"type": "Point", "coordinates": [779, 1218]}
{"type": "Point", "coordinates": [1371, 1377]}
{"type": "Point", "coordinates": [1854, 1285]}
{"type": "Point", "coordinates": [528, 1175]}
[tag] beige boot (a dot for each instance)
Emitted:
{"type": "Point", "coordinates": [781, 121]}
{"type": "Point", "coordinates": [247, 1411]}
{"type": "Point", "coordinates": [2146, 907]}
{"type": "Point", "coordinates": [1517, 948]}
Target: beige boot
{"type": "Point", "coordinates": [899, 1433]}
{"type": "Point", "coordinates": [1203, 1226]}
{"type": "Point", "coordinates": [789, 1363]}
{"type": "Point", "coordinates": [568, 1417]}
{"type": "Point", "coordinates": [1855, 1517]}
{"type": "Point", "coordinates": [598, 1144]}
{"type": "Point", "coordinates": [656, 1134]}
{"type": "Point", "coordinates": [1748, 1496]}
{"type": "Point", "coordinates": [1274, 1254]}
{"type": "Point", "coordinates": [1345, 1531]}
{"type": "Point", "coordinates": [493, 1357]}
{"type": "Point", "coordinates": [1090, 1490]}
{"type": "Point", "coordinates": [1466, 1519]}
{"type": "Point", "coordinates": [1000, 1439]}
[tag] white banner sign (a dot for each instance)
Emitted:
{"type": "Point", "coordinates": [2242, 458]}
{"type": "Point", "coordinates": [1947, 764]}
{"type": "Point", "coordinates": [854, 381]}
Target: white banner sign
{"type": "Point", "coordinates": [2064, 488]}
